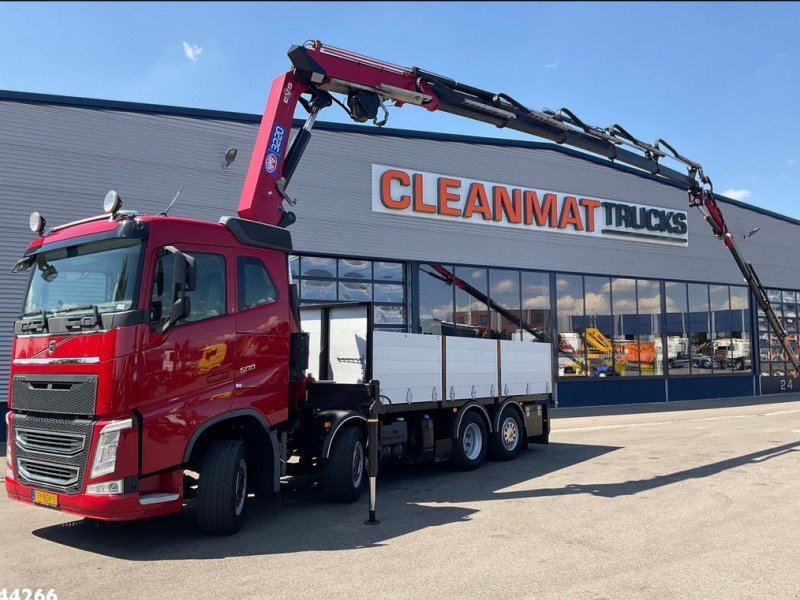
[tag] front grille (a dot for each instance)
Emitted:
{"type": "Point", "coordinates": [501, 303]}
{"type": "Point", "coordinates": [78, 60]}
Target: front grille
{"type": "Point", "coordinates": [55, 442]}
{"type": "Point", "coordinates": [50, 474]}
{"type": "Point", "coordinates": [54, 394]}
{"type": "Point", "coordinates": [51, 453]}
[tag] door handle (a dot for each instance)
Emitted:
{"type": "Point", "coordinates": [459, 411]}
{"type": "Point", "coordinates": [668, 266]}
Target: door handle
{"type": "Point", "coordinates": [218, 374]}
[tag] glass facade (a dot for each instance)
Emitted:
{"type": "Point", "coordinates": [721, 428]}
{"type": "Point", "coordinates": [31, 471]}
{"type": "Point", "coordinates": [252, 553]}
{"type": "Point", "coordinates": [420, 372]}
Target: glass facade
{"type": "Point", "coordinates": [324, 279]}
{"type": "Point", "coordinates": [605, 326]}
{"type": "Point", "coordinates": [479, 302]}
{"type": "Point", "coordinates": [613, 330]}
{"type": "Point", "coordinates": [708, 328]}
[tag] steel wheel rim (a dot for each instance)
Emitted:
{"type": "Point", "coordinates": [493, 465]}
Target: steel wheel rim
{"type": "Point", "coordinates": [358, 464]}
{"type": "Point", "coordinates": [472, 441]}
{"type": "Point", "coordinates": [241, 487]}
{"type": "Point", "coordinates": [509, 434]}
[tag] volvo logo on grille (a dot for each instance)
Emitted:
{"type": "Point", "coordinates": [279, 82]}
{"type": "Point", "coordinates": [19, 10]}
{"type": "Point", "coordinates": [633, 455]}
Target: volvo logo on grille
{"type": "Point", "coordinates": [51, 347]}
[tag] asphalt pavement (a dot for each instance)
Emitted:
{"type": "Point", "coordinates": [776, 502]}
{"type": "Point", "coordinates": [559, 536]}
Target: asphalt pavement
{"type": "Point", "coordinates": [670, 501]}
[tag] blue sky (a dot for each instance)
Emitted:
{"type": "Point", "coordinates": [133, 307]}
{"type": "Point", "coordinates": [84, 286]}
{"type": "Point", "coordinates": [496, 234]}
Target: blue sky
{"type": "Point", "coordinates": [719, 81]}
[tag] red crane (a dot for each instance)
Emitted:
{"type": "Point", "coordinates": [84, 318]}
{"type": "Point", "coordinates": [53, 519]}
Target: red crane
{"type": "Point", "coordinates": [319, 71]}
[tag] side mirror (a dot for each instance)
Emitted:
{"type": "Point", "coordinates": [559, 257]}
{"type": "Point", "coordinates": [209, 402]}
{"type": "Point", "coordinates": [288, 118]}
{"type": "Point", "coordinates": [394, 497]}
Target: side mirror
{"type": "Point", "coordinates": [184, 279]}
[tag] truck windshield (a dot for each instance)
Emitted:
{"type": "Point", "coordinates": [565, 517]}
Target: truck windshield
{"type": "Point", "coordinates": [102, 275]}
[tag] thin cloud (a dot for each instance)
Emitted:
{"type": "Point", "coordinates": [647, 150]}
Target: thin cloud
{"type": "Point", "coordinates": [737, 194]}
{"type": "Point", "coordinates": [792, 161]}
{"type": "Point", "coordinates": [192, 52]}
{"type": "Point", "coordinates": [552, 65]}
{"type": "Point", "coordinates": [782, 55]}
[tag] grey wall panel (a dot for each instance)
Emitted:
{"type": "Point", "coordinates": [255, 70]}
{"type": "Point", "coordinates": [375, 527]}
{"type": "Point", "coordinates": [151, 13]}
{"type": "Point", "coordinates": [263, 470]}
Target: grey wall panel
{"type": "Point", "coordinates": [62, 160]}
{"type": "Point", "coordinates": [334, 188]}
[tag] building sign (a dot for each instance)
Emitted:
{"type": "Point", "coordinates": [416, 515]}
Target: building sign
{"type": "Point", "coordinates": [413, 193]}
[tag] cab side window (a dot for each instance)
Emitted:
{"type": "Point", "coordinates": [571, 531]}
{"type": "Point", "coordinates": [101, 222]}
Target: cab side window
{"type": "Point", "coordinates": [256, 287]}
{"type": "Point", "coordinates": [207, 300]}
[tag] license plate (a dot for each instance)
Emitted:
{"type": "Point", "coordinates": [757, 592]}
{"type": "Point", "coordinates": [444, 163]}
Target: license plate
{"type": "Point", "coordinates": [45, 498]}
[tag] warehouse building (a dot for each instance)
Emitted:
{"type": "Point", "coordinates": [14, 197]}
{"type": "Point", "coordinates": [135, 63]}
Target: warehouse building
{"type": "Point", "coordinates": [645, 303]}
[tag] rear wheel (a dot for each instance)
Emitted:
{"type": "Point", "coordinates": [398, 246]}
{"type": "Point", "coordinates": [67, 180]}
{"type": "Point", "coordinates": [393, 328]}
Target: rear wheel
{"type": "Point", "coordinates": [343, 470]}
{"type": "Point", "coordinates": [506, 442]}
{"type": "Point", "coordinates": [469, 448]}
{"type": "Point", "coordinates": [222, 488]}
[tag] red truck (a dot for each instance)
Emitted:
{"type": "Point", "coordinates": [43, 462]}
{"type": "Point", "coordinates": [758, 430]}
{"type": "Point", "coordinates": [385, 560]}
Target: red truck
{"type": "Point", "coordinates": [159, 359]}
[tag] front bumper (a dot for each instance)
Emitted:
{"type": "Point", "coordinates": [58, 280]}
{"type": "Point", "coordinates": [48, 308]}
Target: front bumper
{"type": "Point", "coordinates": [117, 507]}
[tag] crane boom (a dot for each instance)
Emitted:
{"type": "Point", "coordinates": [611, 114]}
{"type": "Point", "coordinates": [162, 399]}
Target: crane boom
{"type": "Point", "coordinates": [319, 71]}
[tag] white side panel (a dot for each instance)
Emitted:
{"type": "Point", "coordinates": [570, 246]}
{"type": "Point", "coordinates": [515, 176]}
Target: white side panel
{"type": "Point", "coordinates": [471, 368]}
{"type": "Point", "coordinates": [408, 365]}
{"type": "Point", "coordinates": [311, 323]}
{"type": "Point", "coordinates": [524, 368]}
{"type": "Point", "coordinates": [348, 344]}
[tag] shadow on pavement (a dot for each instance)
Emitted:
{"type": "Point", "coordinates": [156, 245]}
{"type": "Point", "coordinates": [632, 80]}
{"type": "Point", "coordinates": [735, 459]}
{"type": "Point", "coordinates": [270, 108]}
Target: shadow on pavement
{"type": "Point", "coordinates": [628, 488]}
{"type": "Point", "coordinates": [303, 521]}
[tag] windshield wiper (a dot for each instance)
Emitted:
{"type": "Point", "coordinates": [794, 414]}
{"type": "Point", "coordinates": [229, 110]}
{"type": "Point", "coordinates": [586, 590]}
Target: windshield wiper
{"type": "Point", "coordinates": [35, 325]}
{"type": "Point", "coordinates": [81, 322]}
{"type": "Point", "coordinates": [75, 309]}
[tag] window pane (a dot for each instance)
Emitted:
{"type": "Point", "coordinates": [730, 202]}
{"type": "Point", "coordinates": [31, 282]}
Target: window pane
{"type": "Point", "coordinates": [677, 319]}
{"type": "Point", "coordinates": [389, 292]}
{"type": "Point", "coordinates": [536, 312]}
{"type": "Point", "coordinates": [472, 315]}
{"type": "Point", "coordinates": [317, 266]}
{"type": "Point", "coordinates": [740, 329]}
{"type": "Point", "coordinates": [435, 301]}
{"type": "Point", "coordinates": [255, 285]}
{"type": "Point", "coordinates": [355, 269]}
{"type": "Point", "coordinates": [388, 271]}
{"type": "Point", "coordinates": [390, 315]}
{"type": "Point", "coordinates": [569, 308]}
{"type": "Point", "coordinates": [649, 304]}
{"type": "Point", "coordinates": [352, 291]}
{"type": "Point", "coordinates": [627, 351]}
{"type": "Point", "coordinates": [294, 266]}
{"type": "Point", "coordinates": [773, 357]}
{"type": "Point", "coordinates": [316, 289]}
{"type": "Point", "coordinates": [702, 362]}
{"type": "Point", "coordinates": [721, 345]}
{"type": "Point", "coordinates": [208, 297]}
{"type": "Point", "coordinates": [161, 295]}
{"type": "Point", "coordinates": [597, 332]}
{"type": "Point", "coordinates": [504, 291]}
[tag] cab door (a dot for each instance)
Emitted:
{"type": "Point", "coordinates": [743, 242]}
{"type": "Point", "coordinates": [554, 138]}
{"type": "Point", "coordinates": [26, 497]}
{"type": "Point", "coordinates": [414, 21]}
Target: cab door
{"type": "Point", "coordinates": [262, 334]}
{"type": "Point", "coordinates": [186, 372]}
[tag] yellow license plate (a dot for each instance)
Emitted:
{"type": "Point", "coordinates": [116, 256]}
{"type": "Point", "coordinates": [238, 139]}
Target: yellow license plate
{"type": "Point", "coordinates": [45, 498]}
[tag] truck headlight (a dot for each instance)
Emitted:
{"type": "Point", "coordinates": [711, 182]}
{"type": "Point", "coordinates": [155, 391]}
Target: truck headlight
{"type": "Point", "coordinates": [105, 455]}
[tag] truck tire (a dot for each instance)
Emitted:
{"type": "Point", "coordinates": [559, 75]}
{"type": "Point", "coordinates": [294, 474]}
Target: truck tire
{"type": "Point", "coordinates": [506, 443]}
{"type": "Point", "coordinates": [222, 489]}
{"type": "Point", "coordinates": [469, 448]}
{"type": "Point", "coordinates": [343, 472]}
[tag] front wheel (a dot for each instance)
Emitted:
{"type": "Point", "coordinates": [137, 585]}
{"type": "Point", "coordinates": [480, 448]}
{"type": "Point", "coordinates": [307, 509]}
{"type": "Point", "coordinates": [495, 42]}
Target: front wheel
{"type": "Point", "coordinates": [469, 448]}
{"type": "Point", "coordinates": [343, 470]}
{"type": "Point", "coordinates": [222, 488]}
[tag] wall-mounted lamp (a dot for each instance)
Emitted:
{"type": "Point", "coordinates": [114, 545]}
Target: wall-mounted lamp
{"type": "Point", "coordinates": [752, 232]}
{"type": "Point", "coordinates": [230, 156]}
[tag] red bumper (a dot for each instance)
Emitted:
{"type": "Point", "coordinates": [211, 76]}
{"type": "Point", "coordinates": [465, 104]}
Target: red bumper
{"type": "Point", "coordinates": [118, 507]}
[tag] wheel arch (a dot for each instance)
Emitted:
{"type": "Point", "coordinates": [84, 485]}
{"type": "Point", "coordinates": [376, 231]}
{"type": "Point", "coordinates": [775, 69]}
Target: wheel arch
{"type": "Point", "coordinates": [249, 426]}
{"type": "Point", "coordinates": [339, 420]}
{"type": "Point", "coordinates": [471, 406]}
{"type": "Point", "coordinates": [499, 412]}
